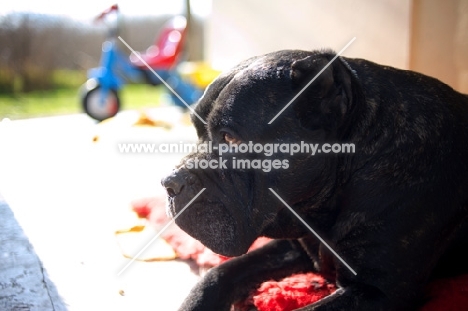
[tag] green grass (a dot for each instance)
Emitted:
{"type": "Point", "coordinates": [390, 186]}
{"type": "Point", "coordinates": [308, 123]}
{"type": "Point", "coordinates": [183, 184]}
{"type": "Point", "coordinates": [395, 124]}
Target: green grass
{"type": "Point", "coordinates": [66, 100]}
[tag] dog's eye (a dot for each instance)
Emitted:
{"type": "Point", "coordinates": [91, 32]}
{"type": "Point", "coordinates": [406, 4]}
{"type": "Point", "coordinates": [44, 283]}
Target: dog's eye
{"type": "Point", "coordinates": [231, 139]}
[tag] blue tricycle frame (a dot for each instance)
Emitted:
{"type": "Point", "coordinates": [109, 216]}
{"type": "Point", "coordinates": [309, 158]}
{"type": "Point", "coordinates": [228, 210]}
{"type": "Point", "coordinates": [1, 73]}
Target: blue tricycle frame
{"type": "Point", "coordinates": [100, 94]}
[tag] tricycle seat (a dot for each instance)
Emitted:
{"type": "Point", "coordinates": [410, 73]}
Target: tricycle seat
{"type": "Point", "coordinates": [163, 55]}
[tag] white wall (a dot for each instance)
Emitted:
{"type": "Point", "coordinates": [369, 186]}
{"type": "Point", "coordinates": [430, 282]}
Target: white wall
{"type": "Point", "coordinates": [238, 29]}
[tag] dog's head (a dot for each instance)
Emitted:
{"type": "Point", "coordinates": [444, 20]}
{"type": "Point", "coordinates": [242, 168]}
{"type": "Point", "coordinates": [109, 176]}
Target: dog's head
{"type": "Point", "coordinates": [244, 106]}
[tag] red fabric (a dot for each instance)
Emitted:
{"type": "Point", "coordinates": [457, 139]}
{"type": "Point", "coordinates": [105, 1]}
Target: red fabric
{"type": "Point", "coordinates": [292, 292]}
{"type": "Point", "coordinates": [447, 294]}
{"type": "Point", "coordinates": [143, 207]}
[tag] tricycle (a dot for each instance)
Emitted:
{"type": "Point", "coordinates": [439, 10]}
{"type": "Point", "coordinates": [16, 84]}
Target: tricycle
{"type": "Point", "coordinates": [157, 66]}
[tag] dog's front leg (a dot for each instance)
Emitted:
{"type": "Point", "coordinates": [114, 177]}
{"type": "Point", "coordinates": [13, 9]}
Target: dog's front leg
{"type": "Point", "coordinates": [234, 279]}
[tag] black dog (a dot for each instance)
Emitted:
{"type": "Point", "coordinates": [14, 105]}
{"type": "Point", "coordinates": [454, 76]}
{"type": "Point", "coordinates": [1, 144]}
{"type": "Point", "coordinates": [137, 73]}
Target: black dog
{"type": "Point", "coordinates": [395, 210]}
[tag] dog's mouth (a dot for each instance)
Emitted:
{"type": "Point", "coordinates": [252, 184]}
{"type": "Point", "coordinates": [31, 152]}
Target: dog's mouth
{"type": "Point", "coordinates": [212, 224]}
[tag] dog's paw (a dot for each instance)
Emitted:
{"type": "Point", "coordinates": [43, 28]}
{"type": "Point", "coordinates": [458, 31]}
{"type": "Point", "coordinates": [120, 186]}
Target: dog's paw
{"type": "Point", "coordinates": [210, 293]}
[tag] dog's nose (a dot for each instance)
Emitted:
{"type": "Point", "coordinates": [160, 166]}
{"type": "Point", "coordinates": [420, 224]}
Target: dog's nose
{"type": "Point", "coordinates": [173, 184]}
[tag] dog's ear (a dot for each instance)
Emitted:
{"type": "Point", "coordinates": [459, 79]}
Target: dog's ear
{"type": "Point", "coordinates": [325, 102]}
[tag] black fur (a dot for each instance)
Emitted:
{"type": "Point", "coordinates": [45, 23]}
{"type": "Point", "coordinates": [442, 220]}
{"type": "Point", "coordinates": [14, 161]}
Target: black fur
{"type": "Point", "coordinates": [396, 210]}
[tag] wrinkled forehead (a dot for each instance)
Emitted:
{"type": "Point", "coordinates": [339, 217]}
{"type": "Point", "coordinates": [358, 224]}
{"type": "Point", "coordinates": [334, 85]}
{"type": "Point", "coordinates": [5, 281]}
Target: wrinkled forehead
{"type": "Point", "coordinates": [252, 96]}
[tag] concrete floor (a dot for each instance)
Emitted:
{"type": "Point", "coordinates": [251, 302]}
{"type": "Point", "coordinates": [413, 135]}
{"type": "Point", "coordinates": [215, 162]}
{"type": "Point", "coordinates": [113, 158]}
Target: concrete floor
{"type": "Point", "coordinates": [69, 195]}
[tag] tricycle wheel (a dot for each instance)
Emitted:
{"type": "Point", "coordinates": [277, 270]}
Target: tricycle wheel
{"type": "Point", "coordinates": [97, 107]}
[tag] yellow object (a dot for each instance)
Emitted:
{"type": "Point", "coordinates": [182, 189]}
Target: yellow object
{"type": "Point", "coordinates": [199, 73]}
{"type": "Point", "coordinates": [145, 120]}
{"type": "Point", "coordinates": [131, 241]}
